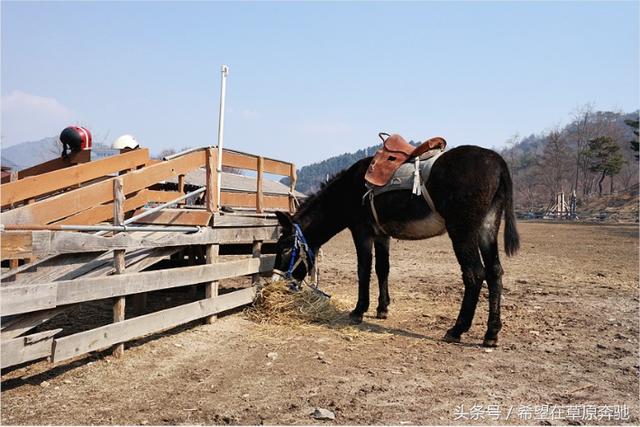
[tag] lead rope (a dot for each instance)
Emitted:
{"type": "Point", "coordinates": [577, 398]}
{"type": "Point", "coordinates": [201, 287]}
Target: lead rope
{"type": "Point", "coordinates": [296, 202]}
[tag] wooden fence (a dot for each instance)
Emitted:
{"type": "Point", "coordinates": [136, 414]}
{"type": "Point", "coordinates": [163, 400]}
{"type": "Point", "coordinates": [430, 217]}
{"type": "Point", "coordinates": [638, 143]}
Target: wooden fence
{"type": "Point", "coordinates": [63, 268]}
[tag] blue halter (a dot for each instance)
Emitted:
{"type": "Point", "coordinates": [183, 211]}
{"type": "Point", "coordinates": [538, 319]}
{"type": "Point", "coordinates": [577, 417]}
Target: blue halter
{"type": "Point", "coordinates": [300, 246]}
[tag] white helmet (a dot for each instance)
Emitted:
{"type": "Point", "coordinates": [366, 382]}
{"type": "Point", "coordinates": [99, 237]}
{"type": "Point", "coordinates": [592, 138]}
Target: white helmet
{"type": "Point", "coordinates": [125, 141]}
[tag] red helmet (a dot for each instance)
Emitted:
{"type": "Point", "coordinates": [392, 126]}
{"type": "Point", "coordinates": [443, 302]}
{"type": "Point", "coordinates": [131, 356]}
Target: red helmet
{"type": "Point", "coordinates": [75, 138]}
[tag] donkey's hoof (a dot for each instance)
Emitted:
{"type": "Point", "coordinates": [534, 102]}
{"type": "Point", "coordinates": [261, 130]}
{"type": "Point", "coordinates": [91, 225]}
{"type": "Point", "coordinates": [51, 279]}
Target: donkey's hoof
{"type": "Point", "coordinates": [355, 318]}
{"type": "Point", "coordinates": [490, 342]}
{"type": "Point", "coordinates": [450, 338]}
{"type": "Point", "coordinates": [382, 314]}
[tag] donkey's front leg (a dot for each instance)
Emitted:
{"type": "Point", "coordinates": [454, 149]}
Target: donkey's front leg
{"type": "Point", "coordinates": [364, 249]}
{"type": "Point", "coordinates": [382, 271]}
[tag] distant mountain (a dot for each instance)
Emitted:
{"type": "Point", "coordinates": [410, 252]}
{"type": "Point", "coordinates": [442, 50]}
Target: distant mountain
{"type": "Point", "coordinates": [27, 154]}
{"type": "Point", "coordinates": [311, 176]}
{"type": "Point", "coordinates": [8, 163]}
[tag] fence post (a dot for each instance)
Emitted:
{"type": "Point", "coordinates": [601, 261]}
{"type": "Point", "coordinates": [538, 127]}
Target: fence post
{"type": "Point", "coordinates": [259, 185]}
{"type": "Point", "coordinates": [181, 188]}
{"type": "Point", "coordinates": [13, 263]}
{"type": "Point", "coordinates": [292, 188]}
{"type": "Point", "coordinates": [211, 195]}
{"type": "Point", "coordinates": [118, 258]}
{"type": "Point", "coordinates": [211, 201]}
{"type": "Point", "coordinates": [211, 288]}
{"type": "Point", "coordinates": [256, 250]}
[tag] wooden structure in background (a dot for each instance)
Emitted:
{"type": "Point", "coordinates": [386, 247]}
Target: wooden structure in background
{"type": "Point", "coordinates": [64, 268]}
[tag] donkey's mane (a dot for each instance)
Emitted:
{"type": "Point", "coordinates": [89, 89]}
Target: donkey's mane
{"type": "Point", "coordinates": [311, 199]}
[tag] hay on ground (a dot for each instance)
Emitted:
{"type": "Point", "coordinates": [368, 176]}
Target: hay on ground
{"type": "Point", "coordinates": [276, 304]}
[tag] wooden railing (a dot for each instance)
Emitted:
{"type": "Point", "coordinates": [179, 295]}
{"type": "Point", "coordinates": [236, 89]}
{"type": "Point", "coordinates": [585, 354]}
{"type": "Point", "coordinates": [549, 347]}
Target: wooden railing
{"type": "Point", "coordinates": [260, 165]}
{"type": "Point", "coordinates": [36, 186]}
{"type": "Point", "coordinates": [93, 203]}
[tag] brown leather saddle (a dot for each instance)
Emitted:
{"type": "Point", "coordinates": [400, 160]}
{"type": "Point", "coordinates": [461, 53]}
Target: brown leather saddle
{"type": "Point", "coordinates": [394, 152]}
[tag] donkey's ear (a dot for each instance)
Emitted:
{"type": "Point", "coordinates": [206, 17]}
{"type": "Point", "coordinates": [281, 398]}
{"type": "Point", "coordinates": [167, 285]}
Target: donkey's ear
{"type": "Point", "coordinates": [286, 220]}
{"type": "Point", "coordinates": [383, 136]}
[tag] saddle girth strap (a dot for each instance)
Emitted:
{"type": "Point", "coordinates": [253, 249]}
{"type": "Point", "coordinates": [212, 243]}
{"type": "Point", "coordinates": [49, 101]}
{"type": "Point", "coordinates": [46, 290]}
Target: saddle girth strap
{"type": "Point", "coordinates": [374, 212]}
{"type": "Point", "coordinates": [427, 198]}
{"type": "Point", "coordinates": [425, 195]}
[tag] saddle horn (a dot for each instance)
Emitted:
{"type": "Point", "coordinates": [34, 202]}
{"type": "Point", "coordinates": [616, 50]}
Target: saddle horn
{"type": "Point", "coordinates": [381, 135]}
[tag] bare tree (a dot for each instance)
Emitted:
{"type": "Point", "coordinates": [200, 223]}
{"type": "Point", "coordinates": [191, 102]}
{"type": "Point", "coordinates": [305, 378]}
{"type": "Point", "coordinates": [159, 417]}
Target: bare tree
{"type": "Point", "coordinates": [167, 152]}
{"type": "Point", "coordinates": [511, 144]}
{"type": "Point", "coordinates": [581, 133]}
{"type": "Point", "coordinates": [554, 161]}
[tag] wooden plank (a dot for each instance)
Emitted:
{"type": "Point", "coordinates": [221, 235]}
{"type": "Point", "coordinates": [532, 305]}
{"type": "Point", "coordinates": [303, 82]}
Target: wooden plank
{"type": "Point", "coordinates": [176, 217]}
{"type": "Point", "coordinates": [69, 266]}
{"type": "Point", "coordinates": [135, 261]}
{"type": "Point", "coordinates": [26, 349]}
{"type": "Point", "coordinates": [248, 200]}
{"type": "Point", "coordinates": [161, 196]}
{"type": "Point", "coordinates": [39, 185]}
{"type": "Point", "coordinates": [227, 220]}
{"type": "Point", "coordinates": [238, 160]}
{"type": "Point", "coordinates": [55, 164]}
{"type": "Point", "coordinates": [137, 327]}
{"type": "Point", "coordinates": [259, 185]}
{"type": "Point", "coordinates": [16, 245]}
{"type": "Point", "coordinates": [104, 212]}
{"type": "Point", "coordinates": [9, 177]}
{"type": "Point", "coordinates": [50, 269]}
{"type": "Point", "coordinates": [63, 205]}
{"type": "Point", "coordinates": [19, 325]}
{"type": "Point", "coordinates": [25, 298]}
{"type": "Point", "coordinates": [21, 243]}
{"type": "Point", "coordinates": [277, 167]}
{"type": "Point", "coordinates": [62, 267]}
{"type": "Point", "coordinates": [164, 170]}
{"type": "Point", "coordinates": [74, 291]}
{"type": "Point", "coordinates": [49, 243]}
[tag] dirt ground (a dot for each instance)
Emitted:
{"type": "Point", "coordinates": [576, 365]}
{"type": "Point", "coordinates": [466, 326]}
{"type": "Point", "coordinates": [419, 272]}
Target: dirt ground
{"type": "Point", "coordinates": [570, 337]}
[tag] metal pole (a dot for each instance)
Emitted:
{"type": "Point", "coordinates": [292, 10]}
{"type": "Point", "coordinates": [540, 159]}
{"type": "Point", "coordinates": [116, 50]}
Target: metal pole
{"type": "Point", "coordinates": [187, 151]}
{"type": "Point", "coordinates": [53, 227]}
{"type": "Point", "coordinates": [164, 205]}
{"type": "Point", "coordinates": [160, 207]}
{"type": "Point", "coordinates": [223, 93]}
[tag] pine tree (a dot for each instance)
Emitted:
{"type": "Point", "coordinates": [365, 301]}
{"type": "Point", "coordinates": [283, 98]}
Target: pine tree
{"type": "Point", "coordinates": [605, 158]}
{"type": "Point", "coordinates": [634, 142]}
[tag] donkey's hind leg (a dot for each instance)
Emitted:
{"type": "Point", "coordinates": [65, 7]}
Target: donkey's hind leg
{"type": "Point", "coordinates": [488, 243]}
{"type": "Point", "coordinates": [466, 250]}
{"type": "Point", "coordinates": [381, 246]}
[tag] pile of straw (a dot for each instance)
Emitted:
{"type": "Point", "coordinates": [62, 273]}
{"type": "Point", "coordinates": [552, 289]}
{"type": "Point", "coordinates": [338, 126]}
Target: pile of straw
{"type": "Point", "coordinates": [276, 304]}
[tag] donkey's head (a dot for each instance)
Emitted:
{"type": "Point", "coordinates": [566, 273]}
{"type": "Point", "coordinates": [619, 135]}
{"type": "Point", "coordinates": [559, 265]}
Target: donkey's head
{"type": "Point", "coordinates": [294, 257]}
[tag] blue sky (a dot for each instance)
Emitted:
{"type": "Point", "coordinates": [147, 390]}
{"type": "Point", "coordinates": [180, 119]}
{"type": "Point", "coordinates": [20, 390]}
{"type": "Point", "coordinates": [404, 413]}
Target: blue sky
{"type": "Point", "coordinates": [314, 79]}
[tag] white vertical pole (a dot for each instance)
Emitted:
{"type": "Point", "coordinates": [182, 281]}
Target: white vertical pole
{"type": "Point", "coordinates": [223, 91]}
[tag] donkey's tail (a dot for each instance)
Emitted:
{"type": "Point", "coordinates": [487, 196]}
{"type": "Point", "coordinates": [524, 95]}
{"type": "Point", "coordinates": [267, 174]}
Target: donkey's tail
{"type": "Point", "coordinates": [511, 237]}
